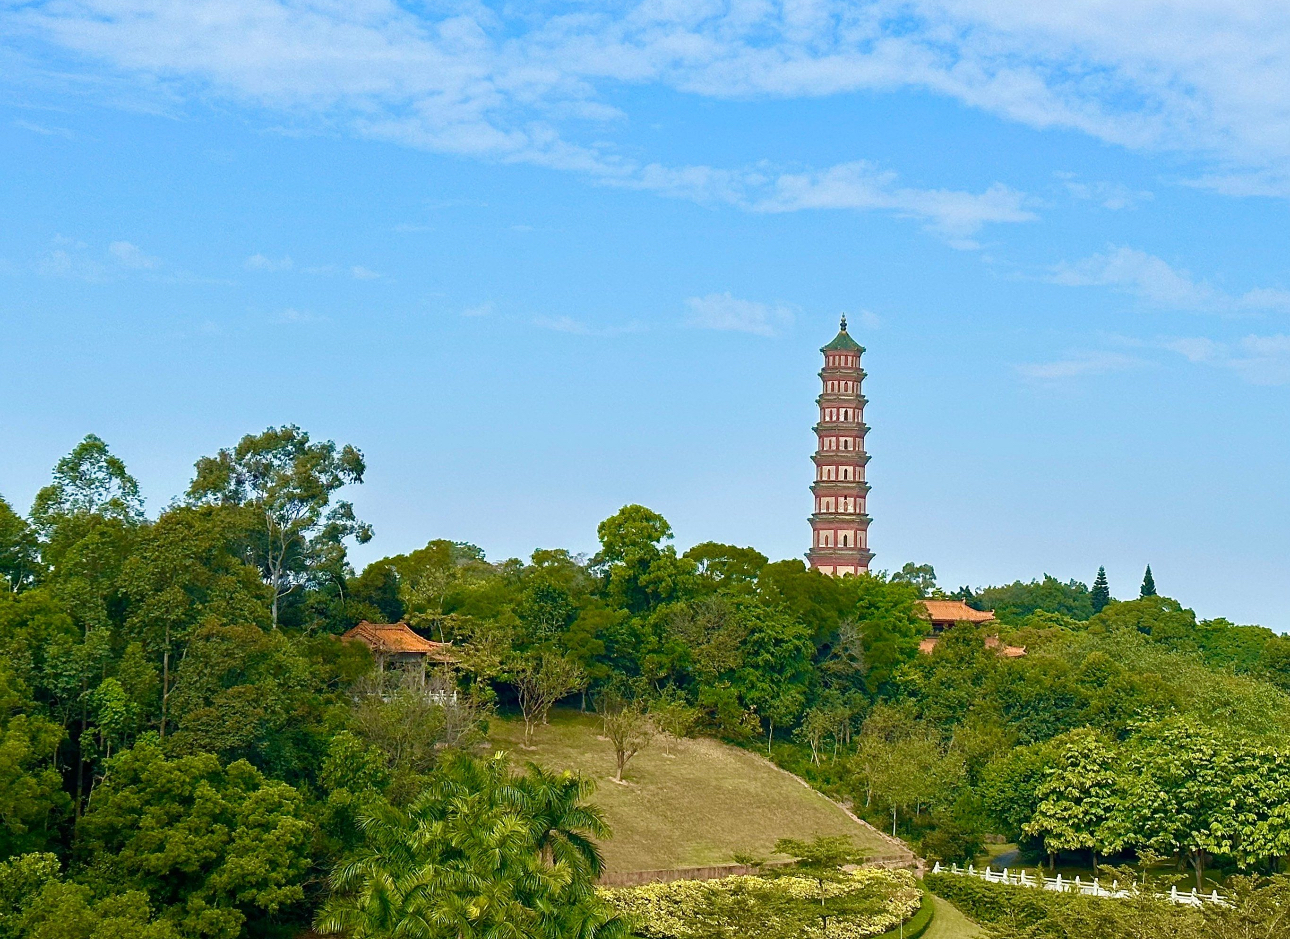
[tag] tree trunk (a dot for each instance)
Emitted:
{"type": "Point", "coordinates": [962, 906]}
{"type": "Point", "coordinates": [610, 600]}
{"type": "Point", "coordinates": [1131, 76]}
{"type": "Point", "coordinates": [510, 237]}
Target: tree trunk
{"type": "Point", "coordinates": [165, 683]}
{"type": "Point", "coordinates": [770, 735]}
{"type": "Point", "coordinates": [893, 821]}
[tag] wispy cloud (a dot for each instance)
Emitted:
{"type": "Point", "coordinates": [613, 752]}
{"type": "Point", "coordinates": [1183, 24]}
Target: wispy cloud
{"type": "Point", "coordinates": [45, 130]}
{"type": "Point", "coordinates": [575, 327]}
{"type": "Point", "coordinates": [292, 316]}
{"type": "Point", "coordinates": [479, 309]}
{"type": "Point", "coordinates": [500, 82]}
{"type": "Point", "coordinates": [1078, 365]}
{"type": "Point", "coordinates": [726, 312]}
{"type": "Point", "coordinates": [131, 256]}
{"type": "Point", "coordinates": [260, 262]}
{"type": "Point", "coordinates": [1259, 360]}
{"type": "Point", "coordinates": [1113, 196]}
{"type": "Point", "coordinates": [1156, 282]}
{"type": "Point", "coordinates": [358, 272]}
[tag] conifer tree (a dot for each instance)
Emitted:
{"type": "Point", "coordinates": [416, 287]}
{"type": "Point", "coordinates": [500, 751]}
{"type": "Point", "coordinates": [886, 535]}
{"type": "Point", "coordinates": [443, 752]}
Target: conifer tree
{"type": "Point", "coordinates": [1148, 584]}
{"type": "Point", "coordinates": [1101, 594]}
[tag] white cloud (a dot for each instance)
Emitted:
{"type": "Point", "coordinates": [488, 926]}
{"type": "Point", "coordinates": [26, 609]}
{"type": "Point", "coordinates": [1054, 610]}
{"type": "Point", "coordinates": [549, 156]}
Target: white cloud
{"type": "Point", "coordinates": [1113, 196]}
{"type": "Point", "coordinates": [132, 256]}
{"type": "Point", "coordinates": [44, 130]}
{"type": "Point", "coordinates": [1078, 365]}
{"type": "Point", "coordinates": [479, 309]}
{"type": "Point", "coordinates": [866, 318]}
{"type": "Point", "coordinates": [293, 316]}
{"type": "Point", "coordinates": [260, 262]}
{"type": "Point", "coordinates": [1202, 77]}
{"type": "Point", "coordinates": [358, 272]}
{"type": "Point", "coordinates": [1158, 283]}
{"type": "Point", "coordinates": [567, 324]}
{"type": "Point", "coordinates": [861, 185]}
{"type": "Point", "coordinates": [723, 311]}
{"type": "Point", "coordinates": [1259, 360]}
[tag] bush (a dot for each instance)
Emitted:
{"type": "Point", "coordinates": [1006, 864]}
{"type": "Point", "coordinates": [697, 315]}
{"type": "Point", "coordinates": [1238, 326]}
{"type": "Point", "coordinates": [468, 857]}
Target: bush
{"type": "Point", "coordinates": [865, 903]}
{"type": "Point", "coordinates": [990, 903]}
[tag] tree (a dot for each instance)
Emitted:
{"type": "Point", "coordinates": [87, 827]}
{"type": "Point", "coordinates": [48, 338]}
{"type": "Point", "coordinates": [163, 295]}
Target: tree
{"type": "Point", "coordinates": [922, 576]}
{"type": "Point", "coordinates": [540, 681]}
{"type": "Point", "coordinates": [482, 852]}
{"type": "Point", "coordinates": [89, 481]}
{"type": "Point", "coordinates": [640, 573]}
{"type": "Point", "coordinates": [32, 801]}
{"type": "Point", "coordinates": [182, 573]}
{"type": "Point", "coordinates": [821, 857]}
{"type": "Point", "coordinates": [1101, 594]}
{"type": "Point", "coordinates": [19, 549]}
{"type": "Point", "coordinates": [1148, 584]}
{"type": "Point", "coordinates": [628, 727]}
{"type": "Point", "coordinates": [286, 484]}
{"type": "Point", "coordinates": [1077, 794]}
{"type": "Point", "coordinates": [1178, 795]}
{"type": "Point", "coordinates": [214, 846]}
{"type": "Point", "coordinates": [673, 717]}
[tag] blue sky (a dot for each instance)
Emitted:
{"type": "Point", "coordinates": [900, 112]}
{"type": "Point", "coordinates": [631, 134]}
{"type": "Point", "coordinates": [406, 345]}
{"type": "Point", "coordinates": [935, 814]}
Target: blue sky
{"type": "Point", "coordinates": [542, 260]}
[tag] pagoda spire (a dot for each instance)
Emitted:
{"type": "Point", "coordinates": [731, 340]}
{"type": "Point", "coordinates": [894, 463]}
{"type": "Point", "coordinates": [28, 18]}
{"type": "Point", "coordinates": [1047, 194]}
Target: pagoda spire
{"type": "Point", "coordinates": [840, 523]}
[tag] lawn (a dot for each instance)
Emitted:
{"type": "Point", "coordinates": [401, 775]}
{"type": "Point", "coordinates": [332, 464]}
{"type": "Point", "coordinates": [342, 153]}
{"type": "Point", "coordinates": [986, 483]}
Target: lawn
{"type": "Point", "coordinates": [700, 806]}
{"type": "Point", "coordinates": [950, 923]}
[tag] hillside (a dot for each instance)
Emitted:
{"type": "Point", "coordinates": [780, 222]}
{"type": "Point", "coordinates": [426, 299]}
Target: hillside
{"type": "Point", "coordinates": [697, 807]}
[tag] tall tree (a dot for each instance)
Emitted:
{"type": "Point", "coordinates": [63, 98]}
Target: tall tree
{"type": "Point", "coordinates": [19, 550]}
{"type": "Point", "coordinates": [1077, 794]}
{"type": "Point", "coordinates": [1101, 594]}
{"type": "Point", "coordinates": [1148, 584]}
{"type": "Point", "coordinates": [88, 481]}
{"type": "Point", "coordinates": [922, 576]}
{"type": "Point", "coordinates": [287, 484]}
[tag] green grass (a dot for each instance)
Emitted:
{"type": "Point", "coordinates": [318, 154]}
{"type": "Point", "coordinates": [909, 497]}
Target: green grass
{"type": "Point", "coordinates": [698, 807]}
{"type": "Point", "coordinates": [950, 923]}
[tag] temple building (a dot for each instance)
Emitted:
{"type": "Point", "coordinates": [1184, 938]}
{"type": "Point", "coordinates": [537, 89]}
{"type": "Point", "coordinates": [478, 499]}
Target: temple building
{"type": "Point", "coordinates": [839, 525]}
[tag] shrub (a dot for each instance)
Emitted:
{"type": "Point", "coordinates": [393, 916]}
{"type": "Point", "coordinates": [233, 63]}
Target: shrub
{"type": "Point", "coordinates": [864, 903]}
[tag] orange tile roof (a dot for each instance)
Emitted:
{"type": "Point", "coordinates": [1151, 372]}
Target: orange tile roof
{"type": "Point", "coordinates": [397, 637]}
{"type": "Point", "coordinates": [954, 611]}
{"type": "Point", "coordinates": [1010, 652]}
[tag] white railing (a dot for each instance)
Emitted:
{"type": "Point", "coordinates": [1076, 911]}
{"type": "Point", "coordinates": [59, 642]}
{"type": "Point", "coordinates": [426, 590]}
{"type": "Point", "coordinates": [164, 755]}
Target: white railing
{"type": "Point", "coordinates": [1089, 888]}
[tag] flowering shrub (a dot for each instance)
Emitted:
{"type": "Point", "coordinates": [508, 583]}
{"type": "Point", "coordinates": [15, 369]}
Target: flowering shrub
{"type": "Point", "coordinates": [854, 905]}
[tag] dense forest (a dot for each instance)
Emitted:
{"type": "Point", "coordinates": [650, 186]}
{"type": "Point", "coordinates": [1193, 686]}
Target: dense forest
{"type": "Point", "coordinates": [187, 749]}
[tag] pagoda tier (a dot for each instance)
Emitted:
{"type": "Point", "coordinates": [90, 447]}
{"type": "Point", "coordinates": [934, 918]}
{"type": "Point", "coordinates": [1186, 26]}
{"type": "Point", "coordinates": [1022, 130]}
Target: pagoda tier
{"type": "Point", "coordinates": [840, 522]}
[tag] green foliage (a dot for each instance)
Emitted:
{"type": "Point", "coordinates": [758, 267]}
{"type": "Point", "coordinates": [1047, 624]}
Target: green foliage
{"type": "Point", "coordinates": [1100, 595]}
{"type": "Point", "coordinates": [19, 550]}
{"type": "Point", "coordinates": [1018, 600]}
{"type": "Point", "coordinates": [209, 844]}
{"type": "Point", "coordinates": [865, 903]}
{"type": "Point", "coordinates": [286, 485]}
{"type": "Point", "coordinates": [1148, 588]}
{"type": "Point", "coordinates": [922, 577]}
{"type": "Point", "coordinates": [481, 851]}
{"type": "Point", "coordinates": [32, 801]}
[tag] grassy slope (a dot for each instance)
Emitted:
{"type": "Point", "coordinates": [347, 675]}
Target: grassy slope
{"type": "Point", "coordinates": [697, 807]}
{"type": "Point", "coordinates": [950, 923]}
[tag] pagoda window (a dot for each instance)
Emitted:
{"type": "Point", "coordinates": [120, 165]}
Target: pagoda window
{"type": "Point", "coordinates": [844, 541]}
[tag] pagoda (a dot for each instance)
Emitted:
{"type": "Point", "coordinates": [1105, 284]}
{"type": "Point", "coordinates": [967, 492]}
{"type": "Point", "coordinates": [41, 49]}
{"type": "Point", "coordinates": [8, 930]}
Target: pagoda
{"type": "Point", "coordinates": [839, 525]}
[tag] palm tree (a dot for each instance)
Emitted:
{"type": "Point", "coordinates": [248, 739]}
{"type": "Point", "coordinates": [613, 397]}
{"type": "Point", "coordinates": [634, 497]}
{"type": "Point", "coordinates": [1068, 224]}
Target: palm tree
{"type": "Point", "coordinates": [482, 854]}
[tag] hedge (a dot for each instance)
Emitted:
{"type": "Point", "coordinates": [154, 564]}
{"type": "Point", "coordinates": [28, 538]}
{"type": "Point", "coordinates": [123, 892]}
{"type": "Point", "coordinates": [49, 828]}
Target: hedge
{"type": "Point", "coordinates": [917, 924]}
{"type": "Point", "coordinates": [991, 903]}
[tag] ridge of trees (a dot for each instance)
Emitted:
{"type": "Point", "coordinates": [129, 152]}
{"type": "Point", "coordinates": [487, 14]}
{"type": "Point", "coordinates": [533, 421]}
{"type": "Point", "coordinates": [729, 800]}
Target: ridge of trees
{"type": "Point", "coordinates": [188, 750]}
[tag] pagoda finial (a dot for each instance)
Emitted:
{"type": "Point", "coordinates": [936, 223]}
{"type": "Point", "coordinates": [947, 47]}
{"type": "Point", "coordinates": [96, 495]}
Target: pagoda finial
{"type": "Point", "coordinates": [844, 322]}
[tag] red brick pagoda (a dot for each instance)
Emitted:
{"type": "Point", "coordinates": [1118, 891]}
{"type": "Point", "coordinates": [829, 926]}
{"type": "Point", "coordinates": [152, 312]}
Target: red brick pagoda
{"type": "Point", "coordinates": [839, 526]}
